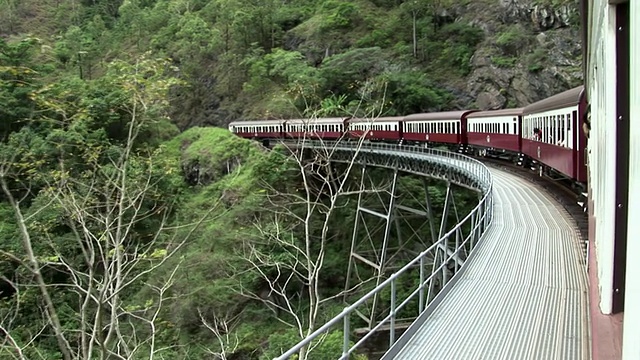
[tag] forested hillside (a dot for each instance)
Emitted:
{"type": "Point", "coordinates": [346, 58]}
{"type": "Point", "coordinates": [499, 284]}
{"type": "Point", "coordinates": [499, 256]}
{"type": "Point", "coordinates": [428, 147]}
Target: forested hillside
{"type": "Point", "coordinates": [131, 228]}
{"type": "Point", "coordinates": [270, 58]}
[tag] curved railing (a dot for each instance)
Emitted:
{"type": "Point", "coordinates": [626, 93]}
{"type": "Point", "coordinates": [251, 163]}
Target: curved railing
{"type": "Point", "coordinates": [461, 239]}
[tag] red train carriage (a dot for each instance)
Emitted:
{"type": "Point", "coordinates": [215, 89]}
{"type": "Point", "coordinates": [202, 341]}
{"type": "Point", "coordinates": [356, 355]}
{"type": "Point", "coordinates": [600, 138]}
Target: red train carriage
{"type": "Point", "coordinates": [442, 127]}
{"type": "Point", "coordinates": [551, 133]}
{"type": "Point", "coordinates": [495, 132]}
{"type": "Point", "coordinates": [258, 129]}
{"type": "Point", "coordinates": [380, 129]}
{"type": "Point", "coordinates": [324, 128]}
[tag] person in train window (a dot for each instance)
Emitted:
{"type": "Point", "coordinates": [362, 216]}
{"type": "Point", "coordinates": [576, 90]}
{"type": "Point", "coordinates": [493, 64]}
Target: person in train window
{"type": "Point", "coordinates": [560, 141]}
{"type": "Point", "coordinates": [586, 122]}
{"type": "Point", "coordinates": [537, 134]}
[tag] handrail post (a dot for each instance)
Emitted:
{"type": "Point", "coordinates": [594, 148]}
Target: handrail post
{"type": "Point", "coordinates": [457, 249]}
{"type": "Point", "coordinates": [421, 291]}
{"type": "Point", "coordinates": [392, 321]}
{"type": "Point", "coordinates": [345, 336]}
{"type": "Point", "coordinates": [444, 260]}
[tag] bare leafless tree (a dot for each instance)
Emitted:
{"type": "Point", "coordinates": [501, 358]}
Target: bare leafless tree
{"type": "Point", "coordinates": [102, 209]}
{"type": "Point", "coordinates": [291, 224]}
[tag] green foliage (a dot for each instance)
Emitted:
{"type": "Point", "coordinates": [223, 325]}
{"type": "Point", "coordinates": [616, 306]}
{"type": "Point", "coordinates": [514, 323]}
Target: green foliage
{"type": "Point", "coordinates": [504, 61]}
{"type": "Point", "coordinates": [330, 346]}
{"type": "Point", "coordinates": [452, 47]}
{"type": "Point", "coordinates": [412, 92]}
{"type": "Point", "coordinates": [511, 39]}
{"type": "Point", "coordinates": [535, 61]}
{"type": "Point", "coordinates": [345, 72]}
{"type": "Point", "coordinates": [337, 14]}
{"type": "Point", "coordinates": [18, 79]}
{"type": "Point", "coordinates": [67, 109]}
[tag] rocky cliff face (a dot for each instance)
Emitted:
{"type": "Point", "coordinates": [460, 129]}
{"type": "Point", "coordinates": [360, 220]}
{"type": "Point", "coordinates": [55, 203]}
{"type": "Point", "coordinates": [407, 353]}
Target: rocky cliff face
{"type": "Point", "coordinates": [531, 51]}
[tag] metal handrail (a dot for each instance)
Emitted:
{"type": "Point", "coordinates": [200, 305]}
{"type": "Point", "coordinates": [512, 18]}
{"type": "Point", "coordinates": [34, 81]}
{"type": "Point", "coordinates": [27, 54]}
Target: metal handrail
{"type": "Point", "coordinates": [479, 218]}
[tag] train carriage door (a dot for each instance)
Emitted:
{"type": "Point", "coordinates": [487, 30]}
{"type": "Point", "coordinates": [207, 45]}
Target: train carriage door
{"type": "Point", "coordinates": [622, 155]}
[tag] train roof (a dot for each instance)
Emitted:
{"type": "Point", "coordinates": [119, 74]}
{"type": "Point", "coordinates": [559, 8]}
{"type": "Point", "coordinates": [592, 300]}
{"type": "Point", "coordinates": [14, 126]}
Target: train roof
{"type": "Point", "coordinates": [256, 122]}
{"type": "Point", "coordinates": [375, 120]}
{"type": "Point", "coordinates": [334, 120]}
{"type": "Point", "coordinates": [491, 113]}
{"type": "Point", "coordinates": [444, 115]}
{"type": "Point", "coordinates": [564, 99]}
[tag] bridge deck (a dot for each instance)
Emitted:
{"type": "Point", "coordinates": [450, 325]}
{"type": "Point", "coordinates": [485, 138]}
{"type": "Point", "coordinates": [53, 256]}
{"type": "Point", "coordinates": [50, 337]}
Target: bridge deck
{"type": "Point", "coordinates": [523, 296]}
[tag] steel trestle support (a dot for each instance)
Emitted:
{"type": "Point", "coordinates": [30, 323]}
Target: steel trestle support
{"type": "Point", "coordinates": [376, 249]}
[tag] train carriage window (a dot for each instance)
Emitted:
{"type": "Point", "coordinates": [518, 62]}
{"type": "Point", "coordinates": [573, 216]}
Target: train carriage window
{"type": "Point", "coordinates": [563, 131]}
{"type": "Point", "coordinates": [556, 129]}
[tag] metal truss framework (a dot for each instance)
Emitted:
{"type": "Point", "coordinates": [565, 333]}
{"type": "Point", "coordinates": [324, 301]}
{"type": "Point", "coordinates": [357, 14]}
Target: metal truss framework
{"type": "Point", "coordinates": [378, 242]}
{"type": "Point", "coordinates": [410, 164]}
{"type": "Point", "coordinates": [378, 246]}
{"type": "Point", "coordinates": [438, 264]}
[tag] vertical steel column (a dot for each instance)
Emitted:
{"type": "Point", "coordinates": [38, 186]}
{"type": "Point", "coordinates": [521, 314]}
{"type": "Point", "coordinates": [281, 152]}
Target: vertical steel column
{"type": "Point", "coordinates": [427, 200]}
{"type": "Point", "coordinates": [378, 264]}
{"type": "Point", "coordinates": [443, 229]}
{"type": "Point", "coordinates": [354, 237]}
{"type": "Point", "coordinates": [385, 243]}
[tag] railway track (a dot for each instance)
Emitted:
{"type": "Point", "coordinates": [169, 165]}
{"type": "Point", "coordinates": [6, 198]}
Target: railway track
{"type": "Point", "coordinates": [559, 190]}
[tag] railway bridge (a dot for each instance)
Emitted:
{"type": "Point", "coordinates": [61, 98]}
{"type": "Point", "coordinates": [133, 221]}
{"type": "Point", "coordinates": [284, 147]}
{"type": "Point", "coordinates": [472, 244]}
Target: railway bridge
{"type": "Point", "coordinates": [509, 281]}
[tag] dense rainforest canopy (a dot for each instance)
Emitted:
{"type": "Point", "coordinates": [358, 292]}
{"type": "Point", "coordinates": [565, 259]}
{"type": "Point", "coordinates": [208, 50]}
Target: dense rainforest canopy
{"type": "Point", "coordinates": [131, 229]}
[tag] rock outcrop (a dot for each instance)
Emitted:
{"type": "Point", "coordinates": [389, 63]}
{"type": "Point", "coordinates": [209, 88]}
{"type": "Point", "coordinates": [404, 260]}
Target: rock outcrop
{"type": "Point", "coordinates": [547, 59]}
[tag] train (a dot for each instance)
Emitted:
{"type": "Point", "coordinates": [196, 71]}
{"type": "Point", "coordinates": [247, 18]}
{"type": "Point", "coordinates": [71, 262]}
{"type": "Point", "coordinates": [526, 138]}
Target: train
{"type": "Point", "coordinates": [545, 136]}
